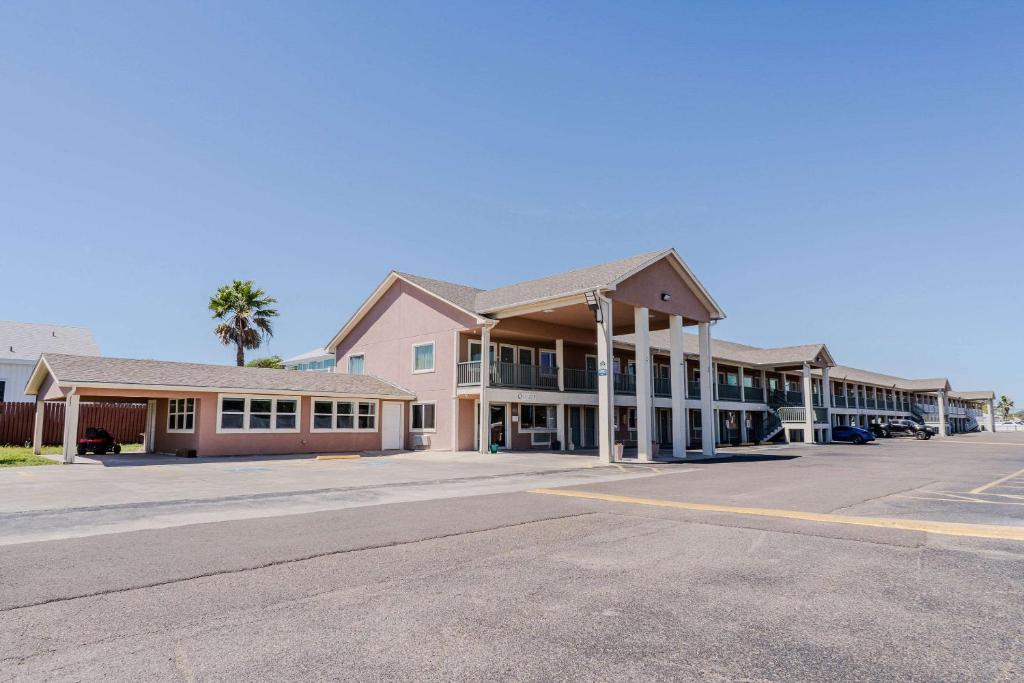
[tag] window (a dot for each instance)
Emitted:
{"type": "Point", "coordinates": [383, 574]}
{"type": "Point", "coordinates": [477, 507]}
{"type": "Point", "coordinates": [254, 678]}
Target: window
{"type": "Point", "coordinates": [355, 364]}
{"type": "Point", "coordinates": [537, 417]}
{"type": "Point", "coordinates": [422, 417]}
{"type": "Point", "coordinates": [525, 356]}
{"type": "Point", "coordinates": [3, 386]}
{"type": "Point", "coordinates": [423, 357]}
{"type": "Point", "coordinates": [258, 414]}
{"type": "Point", "coordinates": [344, 416]}
{"type": "Point", "coordinates": [181, 415]}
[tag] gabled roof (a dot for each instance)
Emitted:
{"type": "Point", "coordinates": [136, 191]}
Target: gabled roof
{"type": "Point", "coordinates": [843, 372]}
{"type": "Point", "coordinates": [26, 341]}
{"type": "Point", "coordinates": [973, 395]}
{"type": "Point", "coordinates": [130, 373]}
{"type": "Point", "coordinates": [481, 303]}
{"type": "Point", "coordinates": [739, 353]}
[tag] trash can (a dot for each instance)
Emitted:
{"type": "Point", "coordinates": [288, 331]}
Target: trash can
{"type": "Point", "coordinates": [494, 448]}
{"type": "Point", "coordinates": [619, 448]}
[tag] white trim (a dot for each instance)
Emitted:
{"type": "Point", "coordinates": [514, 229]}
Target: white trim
{"type": "Point", "coordinates": [240, 390]}
{"type": "Point", "coordinates": [515, 353]}
{"type": "Point", "coordinates": [313, 429]}
{"type": "Point", "coordinates": [519, 357]}
{"type": "Point", "coordinates": [422, 430]}
{"type": "Point", "coordinates": [433, 358]}
{"type": "Point", "coordinates": [182, 412]}
{"type": "Point", "coordinates": [530, 430]}
{"type": "Point", "coordinates": [247, 413]}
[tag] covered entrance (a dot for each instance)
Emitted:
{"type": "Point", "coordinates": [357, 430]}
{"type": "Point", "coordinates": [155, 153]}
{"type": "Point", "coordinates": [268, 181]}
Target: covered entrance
{"type": "Point", "coordinates": [583, 426]}
{"type": "Point", "coordinates": [499, 432]}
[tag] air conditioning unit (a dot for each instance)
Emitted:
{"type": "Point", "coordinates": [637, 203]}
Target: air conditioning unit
{"type": "Point", "coordinates": [420, 441]}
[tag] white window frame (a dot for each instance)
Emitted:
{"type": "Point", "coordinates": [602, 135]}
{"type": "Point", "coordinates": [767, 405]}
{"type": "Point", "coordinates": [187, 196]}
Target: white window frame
{"type": "Point", "coordinates": [313, 429]}
{"type": "Point", "coordinates": [532, 352]}
{"type": "Point", "coordinates": [433, 357]}
{"type": "Point", "coordinates": [348, 362]}
{"type": "Point", "coordinates": [249, 398]}
{"type": "Point", "coordinates": [423, 430]}
{"type": "Point", "coordinates": [186, 413]}
{"type": "Point", "coordinates": [515, 353]}
{"type": "Point", "coordinates": [547, 442]}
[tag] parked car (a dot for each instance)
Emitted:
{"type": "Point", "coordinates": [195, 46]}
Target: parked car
{"type": "Point", "coordinates": [904, 427]}
{"type": "Point", "coordinates": [97, 440]}
{"type": "Point", "coordinates": [851, 434]}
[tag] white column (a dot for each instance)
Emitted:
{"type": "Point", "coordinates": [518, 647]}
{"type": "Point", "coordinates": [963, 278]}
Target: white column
{"type": "Point", "coordinates": [707, 402]}
{"type": "Point", "coordinates": [743, 389]}
{"type": "Point", "coordinates": [743, 426]}
{"type": "Point", "coordinates": [560, 425]}
{"type": "Point", "coordinates": [992, 415]}
{"type": "Point", "coordinates": [560, 362]}
{"type": "Point", "coordinates": [150, 439]}
{"type": "Point", "coordinates": [943, 429]}
{"type": "Point", "coordinates": [485, 380]}
{"type": "Point", "coordinates": [642, 337]}
{"type": "Point", "coordinates": [678, 379]}
{"type": "Point", "coordinates": [605, 386]}
{"type": "Point", "coordinates": [454, 425]}
{"type": "Point", "coordinates": [826, 400]}
{"type": "Point", "coordinates": [808, 405]}
{"type": "Point", "coordinates": [714, 377]}
{"type": "Point", "coordinates": [70, 427]}
{"type": "Point", "coordinates": [37, 427]}
{"type": "Point", "coordinates": [764, 386]}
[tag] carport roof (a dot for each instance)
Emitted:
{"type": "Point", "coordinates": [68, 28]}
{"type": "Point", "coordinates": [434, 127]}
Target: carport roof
{"type": "Point", "coordinates": [130, 373]}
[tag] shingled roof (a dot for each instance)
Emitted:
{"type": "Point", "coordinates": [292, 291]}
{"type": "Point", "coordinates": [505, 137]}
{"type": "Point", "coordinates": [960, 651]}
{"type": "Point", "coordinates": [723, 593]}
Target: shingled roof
{"type": "Point", "coordinates": [68, 370]}
{"type": "Point", "coordinates": [737, 353]}
{"type": "Point", "coordinates": [26, 341]}
{"type": "Point", "coordinates": [843, 372]}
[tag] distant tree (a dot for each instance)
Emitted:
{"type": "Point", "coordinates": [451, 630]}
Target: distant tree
{"type": "Point", "coordinates": [272, 362]}
{"type": "Point", "coordinates": [246, 312]}
{"type": "Point", "coordinates": [1004, 407]}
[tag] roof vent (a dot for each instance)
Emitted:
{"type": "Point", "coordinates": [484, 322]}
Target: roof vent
{"type": "Point", "coordinates": [53, 333]}
{"type": "Point", "coordinates": [12, 349]}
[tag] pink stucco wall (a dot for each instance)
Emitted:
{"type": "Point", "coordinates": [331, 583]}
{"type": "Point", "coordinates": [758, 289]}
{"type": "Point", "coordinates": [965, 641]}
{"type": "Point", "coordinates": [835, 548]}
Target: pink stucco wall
{"type": "Point", "coordinates": [645, 289]}
{"type": "Point", "coordinates": [405, 316]}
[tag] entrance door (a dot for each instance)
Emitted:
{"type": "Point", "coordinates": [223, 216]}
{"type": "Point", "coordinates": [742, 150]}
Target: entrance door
{"type": "Point", "coordinates": [589, 436]}
{"type": "Point", "coordinates": [575, 427]}
{"type": "Point", "coordinates": [391, 428]}
{"type": "Point", "coordinates": [499, 414]}
{"type": "Point", "coordinates": [664, 423]}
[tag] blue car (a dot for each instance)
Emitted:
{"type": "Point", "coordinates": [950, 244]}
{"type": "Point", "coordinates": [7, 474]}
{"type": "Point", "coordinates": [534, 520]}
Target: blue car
{"type": "Point", "coordinates": [851, 434]}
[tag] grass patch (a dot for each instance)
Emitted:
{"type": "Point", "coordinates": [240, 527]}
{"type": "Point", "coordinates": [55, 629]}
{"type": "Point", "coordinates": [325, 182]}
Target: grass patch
{"type": "Point", "coordinates": [22, 456]}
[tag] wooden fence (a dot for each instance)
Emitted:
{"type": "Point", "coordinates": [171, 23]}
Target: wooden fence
{"type": "Point", "coordinates": [126, 421]}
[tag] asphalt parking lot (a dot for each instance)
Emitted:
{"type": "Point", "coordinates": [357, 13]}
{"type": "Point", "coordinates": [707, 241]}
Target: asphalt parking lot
{"type": "Point", "coordinates": [896, 560]}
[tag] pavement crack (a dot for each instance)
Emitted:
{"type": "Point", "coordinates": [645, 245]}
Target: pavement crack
{"type": "Point", "coordinates": [291, 560]}
{"type": "Point", "coordinates": [883, 496]}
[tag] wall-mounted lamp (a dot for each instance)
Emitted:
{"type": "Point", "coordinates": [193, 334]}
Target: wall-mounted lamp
{"type": "Point", "coordinates": [594, 305]}
{"type": "Point", "coordinates": [665, 296]}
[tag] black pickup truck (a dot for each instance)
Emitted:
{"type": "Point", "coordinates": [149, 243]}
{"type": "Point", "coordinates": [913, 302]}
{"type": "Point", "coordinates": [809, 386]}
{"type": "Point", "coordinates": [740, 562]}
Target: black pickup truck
{"type": "Point", "coordinates": [902, 427]}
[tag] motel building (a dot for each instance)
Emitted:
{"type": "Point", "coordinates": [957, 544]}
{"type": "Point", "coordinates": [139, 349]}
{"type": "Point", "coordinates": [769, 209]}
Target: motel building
{"type": "Point", "coordinates": [600, 360]}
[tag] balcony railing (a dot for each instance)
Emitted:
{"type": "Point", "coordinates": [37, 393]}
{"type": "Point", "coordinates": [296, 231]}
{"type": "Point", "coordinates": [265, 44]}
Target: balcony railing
{"type": "Point", "coordinates": [693, 389]}
{"type": "Point", "coordinates": [511, 375]}
{"type": "Point", "coordinates": [839, 401]}
{"type": "Point", "coordinates": [753, 394]}
{"type": "Point", "coordinates": [469, 373]}
{"type": "Point", "coordinates": [816, 399]}
{"type": "Point", "coordinates": [797, 414]}
{"type": "Point", "coordinates": [870, 403]}
{"type": "Point", "coordinates": [662, 386]}
{"type": "Point", "coordinates": [580, 380]}
{"type": "Point", "coordinates": [625, 383]}
{"type": "Point", "coordinates": [728, 392]}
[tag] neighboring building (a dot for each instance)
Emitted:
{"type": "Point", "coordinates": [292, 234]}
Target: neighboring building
{"type": "Point", "coordinates": [317, 360]}
{"type": "Point", "coordinates": [21, 344]}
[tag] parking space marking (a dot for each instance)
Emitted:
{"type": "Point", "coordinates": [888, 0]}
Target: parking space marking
{"type": "Point", "coordinates": [989, 485]}
{"type": "Point", "coordinates": [958, 499]}
{"type": "Point", "coordinates": [1006, 533]}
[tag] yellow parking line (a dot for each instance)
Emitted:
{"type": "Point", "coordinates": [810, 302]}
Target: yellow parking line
{"type": "Point", "coordinates": [945, 528]}
{"type": "Point", "coordinates": [347, 456]}
{"type": "Point", "coordinates": [997, 481]}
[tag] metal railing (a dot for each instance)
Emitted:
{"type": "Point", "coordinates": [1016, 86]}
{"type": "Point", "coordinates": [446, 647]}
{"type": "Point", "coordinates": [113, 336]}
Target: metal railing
{"type": "Point", "coordinates": [798, 414]}
{"type": "Point", "coordinates": [728, 392]}
{"type": "Point", "coordinates": [469, 373]}
{"type": "Point", "coordinates": [625, 383]}
{"type": "Point", "coordinates": [753, 394]}
{"type": "Point", "coordinates": [869, 403]}
{"type": "Point", "coordinates": [693, 389]}
{"type": "Point", "coordinates": [662, 386]}
{"type": "Point", "coordinates": [576, 379]}
{"type": "Point", "coordinates": [839, 401]}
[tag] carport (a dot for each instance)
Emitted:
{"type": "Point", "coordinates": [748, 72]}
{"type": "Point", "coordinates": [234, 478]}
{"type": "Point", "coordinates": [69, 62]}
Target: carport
{"type": "Point", "coordinates": [226, 410]}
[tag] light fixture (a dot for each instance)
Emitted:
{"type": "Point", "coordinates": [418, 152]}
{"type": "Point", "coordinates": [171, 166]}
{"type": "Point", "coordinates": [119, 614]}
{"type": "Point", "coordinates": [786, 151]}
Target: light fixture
{"type": "Point", "coordinates": [548, 310]}
{"type": "Point", "coordinates": [665, 296]}
{"type": "Point", "coordinates": [593, 305]}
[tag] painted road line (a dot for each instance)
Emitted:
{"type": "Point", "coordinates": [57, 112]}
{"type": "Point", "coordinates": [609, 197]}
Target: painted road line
{"type": "Point", "coordinates": [997, 481]}
{"type": "Point", "coordinates": [346, 456]}
{"type": "Point", "coordinates": [958, 500]}
{"type": "Point", "coordinates": [1005, 533]}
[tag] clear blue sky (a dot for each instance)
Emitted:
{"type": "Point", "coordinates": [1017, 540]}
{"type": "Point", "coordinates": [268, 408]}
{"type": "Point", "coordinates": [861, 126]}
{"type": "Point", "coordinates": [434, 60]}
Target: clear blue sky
{"type": "Point", "coordinates": [841, 172]}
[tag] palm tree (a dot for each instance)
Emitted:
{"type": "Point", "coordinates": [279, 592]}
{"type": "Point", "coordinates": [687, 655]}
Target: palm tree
{"type": "Point", "coordinates": [246, 312]}
{"type": "Point", "coordinates": [1004, 407]}
{"type": "Point", "coordinates": [272, 362]}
